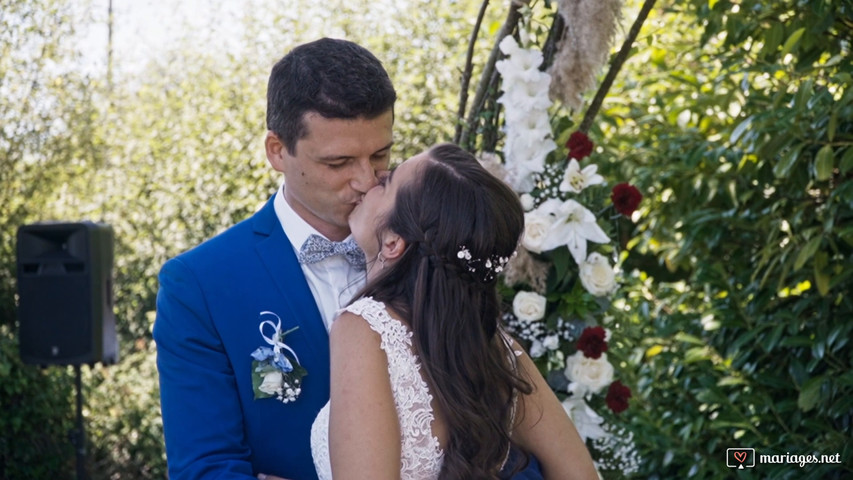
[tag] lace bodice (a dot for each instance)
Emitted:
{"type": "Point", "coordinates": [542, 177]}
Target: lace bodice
{"type": "Point", "coordinates": [421, 454]}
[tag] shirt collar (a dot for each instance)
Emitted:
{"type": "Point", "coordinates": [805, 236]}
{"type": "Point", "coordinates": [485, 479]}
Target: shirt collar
{"type": "Point", "coordinates": [295, 227]}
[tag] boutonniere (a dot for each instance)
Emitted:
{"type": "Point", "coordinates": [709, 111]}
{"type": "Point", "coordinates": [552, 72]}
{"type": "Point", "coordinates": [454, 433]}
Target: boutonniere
{"type": "Point", "coordinates": [276, 371]}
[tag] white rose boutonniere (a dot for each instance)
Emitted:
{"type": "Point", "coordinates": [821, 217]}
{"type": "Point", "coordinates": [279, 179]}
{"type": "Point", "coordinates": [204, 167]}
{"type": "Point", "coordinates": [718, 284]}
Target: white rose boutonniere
{"type": "Point", "coordinates": [591, 373]}
{"type": "Point", "coordinates": [597, 275]}
{"type": "Point", "coordinates": [272, 382]}
{"type": "Point", "coordinates": [529, 306]}
{"type": "Point", "coordinates": [276, 371]}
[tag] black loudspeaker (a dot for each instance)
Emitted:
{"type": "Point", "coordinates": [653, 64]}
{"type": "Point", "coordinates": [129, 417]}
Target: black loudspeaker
{"type": "Point", "coordinates": [65, 297]}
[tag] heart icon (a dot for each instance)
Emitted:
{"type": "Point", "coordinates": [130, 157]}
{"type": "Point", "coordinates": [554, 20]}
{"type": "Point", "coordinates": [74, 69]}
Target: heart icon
{"type": "Point", "coordinates": [740, 456]}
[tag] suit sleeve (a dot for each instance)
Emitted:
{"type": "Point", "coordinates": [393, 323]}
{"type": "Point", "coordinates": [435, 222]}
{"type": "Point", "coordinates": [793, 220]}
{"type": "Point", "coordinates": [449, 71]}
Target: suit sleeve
{"type": "Point", "coordinates": [200, 402]}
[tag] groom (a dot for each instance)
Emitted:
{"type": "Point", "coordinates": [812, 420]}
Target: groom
{"type": "Point", "coordinates": [329, 118]}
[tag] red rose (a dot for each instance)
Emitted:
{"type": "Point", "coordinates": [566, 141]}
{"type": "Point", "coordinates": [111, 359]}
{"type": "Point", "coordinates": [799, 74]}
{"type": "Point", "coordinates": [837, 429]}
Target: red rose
{"type": "Point", "coordinates": [617, 397]}
{"type": "Point", "coordinates": [592, 342]}
{"type": "Point", "coordinates": [625, 198]}
{"type": "Point", "coordinates": [579, 145]}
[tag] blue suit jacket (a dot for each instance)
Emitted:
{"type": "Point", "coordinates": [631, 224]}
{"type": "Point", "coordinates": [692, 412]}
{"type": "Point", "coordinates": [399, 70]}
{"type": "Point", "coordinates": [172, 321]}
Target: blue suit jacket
{"type": "Point", "coordinates": [207, 322]}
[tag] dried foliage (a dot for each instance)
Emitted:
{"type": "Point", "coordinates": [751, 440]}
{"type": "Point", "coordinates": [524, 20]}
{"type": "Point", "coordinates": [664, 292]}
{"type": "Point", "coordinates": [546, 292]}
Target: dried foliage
{"type": "Point", "coordinates": [587, 38]}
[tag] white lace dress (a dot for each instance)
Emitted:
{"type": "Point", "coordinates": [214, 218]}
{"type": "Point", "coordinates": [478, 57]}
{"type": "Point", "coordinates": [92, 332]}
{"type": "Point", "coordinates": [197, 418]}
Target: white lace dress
{"type": "Point", "coordinates": [421, 454]}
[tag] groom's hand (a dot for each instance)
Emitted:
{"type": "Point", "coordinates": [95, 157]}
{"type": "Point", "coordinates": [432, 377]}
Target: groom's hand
{"type": "Point", "coordinates": [264, 476]}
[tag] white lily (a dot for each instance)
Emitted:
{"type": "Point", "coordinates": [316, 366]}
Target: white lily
{"type": "Point", "coordinates": [587, 422]}
{"type": "Point", "coordinates": [575, 226]}
{"type": "Point", "coordinates": [575, 179]}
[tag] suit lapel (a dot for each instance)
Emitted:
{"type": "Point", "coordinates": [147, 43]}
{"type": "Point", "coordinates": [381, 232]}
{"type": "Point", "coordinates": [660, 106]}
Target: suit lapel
{"type": "Point", "coordinates": [278, 258]}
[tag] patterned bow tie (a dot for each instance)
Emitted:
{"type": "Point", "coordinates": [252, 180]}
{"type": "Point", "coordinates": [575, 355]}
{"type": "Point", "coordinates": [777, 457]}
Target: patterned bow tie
{"type": "Point", "coordinates": [316, 248]}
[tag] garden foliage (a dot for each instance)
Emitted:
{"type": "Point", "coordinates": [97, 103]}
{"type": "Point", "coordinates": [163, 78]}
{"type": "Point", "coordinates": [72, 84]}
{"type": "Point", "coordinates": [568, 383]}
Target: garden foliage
{"type": "Point", "coordinates": [738, 307]}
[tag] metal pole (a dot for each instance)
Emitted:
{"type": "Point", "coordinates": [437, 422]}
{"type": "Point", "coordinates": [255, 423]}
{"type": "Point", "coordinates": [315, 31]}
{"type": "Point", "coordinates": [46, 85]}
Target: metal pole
{"type": "Point", "coordinates": [79, 434]}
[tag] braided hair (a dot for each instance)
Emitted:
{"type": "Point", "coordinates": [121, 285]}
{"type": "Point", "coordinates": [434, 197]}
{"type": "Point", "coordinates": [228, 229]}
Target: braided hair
{"type": "Point", "coordinates": [460, 224]}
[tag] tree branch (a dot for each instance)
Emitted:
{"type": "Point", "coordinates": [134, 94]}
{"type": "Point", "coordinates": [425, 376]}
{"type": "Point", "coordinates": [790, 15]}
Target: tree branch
{"type": "Point", "coordinates": [466, 74]}
{"type": "Point", "coordinates": [618, 61]}
{"type": "Point", "coordinates": [485, 79]}
{"type": "Point", "coordinates": [555, 34]}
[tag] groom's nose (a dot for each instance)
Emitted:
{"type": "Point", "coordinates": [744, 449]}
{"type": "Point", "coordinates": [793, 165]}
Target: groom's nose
{"type": "Point", "coordinates": [365, 176]}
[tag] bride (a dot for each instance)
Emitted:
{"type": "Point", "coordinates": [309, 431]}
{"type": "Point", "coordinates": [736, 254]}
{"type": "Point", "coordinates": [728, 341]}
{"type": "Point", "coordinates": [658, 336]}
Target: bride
{"type": "Point", "coordinates": [424, 382]}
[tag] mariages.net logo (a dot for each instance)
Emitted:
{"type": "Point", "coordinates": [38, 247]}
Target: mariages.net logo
{"type": "Point", "coordinates": [741, 458]}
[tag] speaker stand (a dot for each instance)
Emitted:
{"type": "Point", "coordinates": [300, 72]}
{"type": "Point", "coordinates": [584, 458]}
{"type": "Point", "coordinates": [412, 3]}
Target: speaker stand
{"type": "Point", "coordinates": [78, 435]}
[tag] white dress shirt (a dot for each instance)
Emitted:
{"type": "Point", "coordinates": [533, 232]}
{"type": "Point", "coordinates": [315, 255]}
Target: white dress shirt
{"type": "Point", "coordinates": [333, 281]}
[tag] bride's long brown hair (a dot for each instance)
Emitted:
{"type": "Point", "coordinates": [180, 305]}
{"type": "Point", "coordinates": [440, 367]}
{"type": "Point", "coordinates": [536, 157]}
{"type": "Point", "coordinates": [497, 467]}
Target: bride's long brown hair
{"type": "Point", "coordinates": [452, 304]}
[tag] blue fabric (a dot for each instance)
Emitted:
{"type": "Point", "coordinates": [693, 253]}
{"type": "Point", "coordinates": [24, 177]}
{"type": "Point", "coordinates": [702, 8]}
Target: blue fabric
{"type": "Point", "coordinates": [206, 329]}
{"type": "Point", "coordinates": [532, 471]}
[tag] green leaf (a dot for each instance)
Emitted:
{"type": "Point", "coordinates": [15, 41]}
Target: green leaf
{"type": "Point", "coordinates": [686, 337]}
{"type": "Point", "coordinates": [833, 125]}
{"type": "Point", "coordinates": [787, 161]}
{"type": "Point", "coordinates": [740, 129]}
{"type": "Point", "coordinates": [847, 161]}
{"type": "Point", "coordinates": [769, 342]}
{"type": "Point", "coordinates": [772, 147]}
{"type": "Point", "coordinates": [796, 341]}
{"type": "Point", "coordinates": [728, 381]}
{"type": "Point", "coordinates": [807, 252]}
{"type": "Point", "coordinates": [810, 393]}
{"type": "Point", "coordinates": [696, 354]}
{"type": "Point", "coordinates": [792, 41]}
{"type": "Point", "coordinates": [562, 261]}
{"type": "Point", "coordinates": [823, 163]}
{"type": "Point", "coordinates": [822, 278]}
{"type": "Point", "coordinates": [258, 379]}
{"type": "Point", "coordinates": [772, 39]}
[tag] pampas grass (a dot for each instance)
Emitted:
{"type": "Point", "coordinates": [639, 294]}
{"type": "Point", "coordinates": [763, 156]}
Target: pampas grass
{"type": "Point", "coordinates": [584, 49]}
{"type": "Point", "coordinates": [524, 269]}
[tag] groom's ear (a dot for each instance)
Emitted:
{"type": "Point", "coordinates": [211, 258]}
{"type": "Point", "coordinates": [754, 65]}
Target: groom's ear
{"type": "Point", "coordinates": [275, 151]}
{"type": "Point", "coordinates": [393, 245]}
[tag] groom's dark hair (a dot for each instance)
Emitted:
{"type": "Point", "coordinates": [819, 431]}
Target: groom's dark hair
{"type": "Point", "coordinates": [334, 78]}
{"type": "Point", "coordinates": [461, 224]}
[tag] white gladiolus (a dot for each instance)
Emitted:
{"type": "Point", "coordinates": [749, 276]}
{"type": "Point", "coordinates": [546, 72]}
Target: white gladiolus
{"type": "Point", "coordinates": [526, 102]}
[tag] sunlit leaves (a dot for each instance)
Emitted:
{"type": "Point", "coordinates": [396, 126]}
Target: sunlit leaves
{"type": "Point", "coordinates": [750, 212]}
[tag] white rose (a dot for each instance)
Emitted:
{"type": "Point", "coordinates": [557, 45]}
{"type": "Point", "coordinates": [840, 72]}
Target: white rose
{"type": "Point", "coordinates": [597, 275]}
{"type": "Point", "coordinates": [592, 373]}
{"type": "Point", "coordinates": [527, 202]}
{"type": "Point", "coordinates": [536, 228]}
{"type": "Point", "coordinates": [272, 383]}
{"type": "Point", "coordinates": [551, 342]}
{"type": "Point", "coordinates": [528, 306]}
